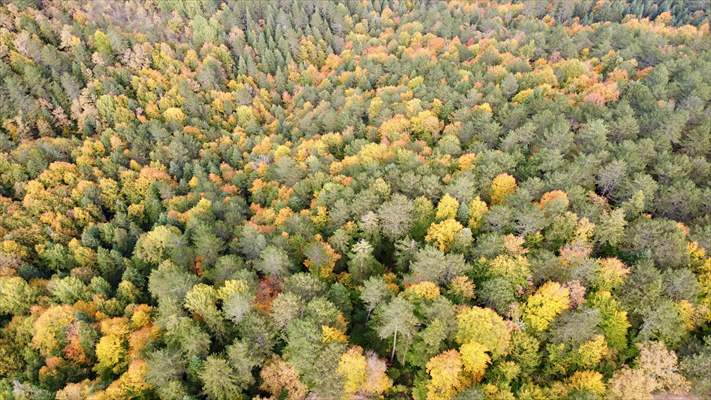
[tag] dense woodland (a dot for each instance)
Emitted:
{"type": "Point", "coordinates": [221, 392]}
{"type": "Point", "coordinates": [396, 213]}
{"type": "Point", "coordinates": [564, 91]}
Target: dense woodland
{"type": "Point", "coordinates": [386, 199]}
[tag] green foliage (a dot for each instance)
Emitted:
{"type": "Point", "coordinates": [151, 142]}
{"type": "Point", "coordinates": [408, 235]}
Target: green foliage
{"type": "Point", "coordinates": [210, 199]}
{"type": "Point", "coordinates": [219, 379]}
{"type": "Point", "coordinates": [397, 318]}
{"type": "Point", "coordinates": [16, 296]}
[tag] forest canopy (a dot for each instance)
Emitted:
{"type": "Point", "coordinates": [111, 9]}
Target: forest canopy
{"type": "Point", "coordinates": [376, 199]}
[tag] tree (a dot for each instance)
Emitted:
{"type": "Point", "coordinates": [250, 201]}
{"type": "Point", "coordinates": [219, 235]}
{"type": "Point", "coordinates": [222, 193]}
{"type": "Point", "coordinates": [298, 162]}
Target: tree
{"type": "Point", "coordinates": [286, 307]}
{"type": "Point", "coordinates": [664, 323]}
{"type": "Point", "coordinates": [207, 200]}
{"type": "Point", "coordinates": [630, 384]}
{"type": "Point", "coordinates": [219, 380]}
{"type": "Point", "coordinates": [502, 186]}
{"type": "Point", "coordinates": [396, 217]}
{"type": "Point", "coordinates": [477, 210]}
{"type": "Point", "coordinates": [320, 258]}
{"type": "Point", "coordinates": [280, 378]}
{"type": "Point", "coordinates": [170, 283]}
{"type": "Point", "coordinates": [656, 371]}
{"type": "Point", "coordinates": [485, 327]}
{"type": "Point", "coordinates": [374, 292]}
{"type": "Point", "coordinates": [513, 269]}
{"type": "Point", "coordinates": [201, 300]}
{"type": "Point", "coordinates": [694, 367]}
{"type": "Point", "coordinates": [397, 318]}
{"type": "Point", "coordinates": [446, 377]}
{"type": "Point", "coordinates": [475, 359]}
{"type": "Point", "coordinates": [273, 261]}
{"type": "Point", "coordinates": [659, 363]}
{"type": "Point", "coordinates": [444, 233]}
{"type": "Point", "coordinates": [16, 296]}
{"type": "Point", "coordinates": [611, 228]}
{"type": "Point", "coordinates": [431, 264]}
{"type": "Point", "coordinates": [545, 305]}
{"type": "Point", "coordinates": [314, 358]}
{"type": "Point", "coordinates": [363, 376]}
{"type": "Point", "coordinates": [447, 208]}
{"type": "Point", "coordinates": [158, 244]}
{"type": "Point", "coordinates": [587, 382]}
{"type": "Point", "coordinates": [165, 368]}
{"type": "Point", "coordinates": [361, 262]}
{"type": "Point", "coordinates": [111, 355]}
{"type": "Point", "coordinates": [662, 240]}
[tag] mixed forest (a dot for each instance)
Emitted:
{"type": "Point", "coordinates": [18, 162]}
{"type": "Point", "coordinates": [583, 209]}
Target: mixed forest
{"type": "Point", "coordinates": [366, 199]}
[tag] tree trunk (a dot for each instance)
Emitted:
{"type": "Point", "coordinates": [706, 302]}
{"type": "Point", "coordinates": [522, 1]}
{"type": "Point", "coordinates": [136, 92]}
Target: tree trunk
{"type": "Point", "coordinates": [392, 355]}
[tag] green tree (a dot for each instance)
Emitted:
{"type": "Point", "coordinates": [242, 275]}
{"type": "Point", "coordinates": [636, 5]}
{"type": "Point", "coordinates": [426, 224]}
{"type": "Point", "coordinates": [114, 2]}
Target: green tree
{"type": "Point", "coordinates": [397, 318]}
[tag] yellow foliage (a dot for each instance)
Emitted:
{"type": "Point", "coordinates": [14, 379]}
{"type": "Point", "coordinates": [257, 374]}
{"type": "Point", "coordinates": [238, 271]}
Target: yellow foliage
{"type": "Point", "coordinates": [687, 313]}
{"type": "Point", "coordinates": [483, 326]}
{"type": "Point", "coordinates": [447, 208]}
{"type": "Point", "coordinates": [545, 305]}
{"type": "Point", "coordinates": [477, 210]}
{"type": "Point", "coordinates": [374, 108]}
{"type": "Point", "coordinates": [412, 107]}
{"type": "Point", "coordinates": [352, 368]}
{"type": "Point", "coordinates": [515, 269]}
{"type": "Point", "coordinates": [131, 384]}
{"type": "Point", "coordinates": [332, 335]}
{"type": "Point", "coordinates": [486, 107]}
{"type": "Point", "coordinates": [475, 359]}
{"type": "Point", "coordinates": [696, 252]}
{"type": "Point", "coordinates": [114, 326]}
{"type": "Point", "coordinates": [281, 151]}
{"type": "Point", "coordinates": [395, 128]}
{"type": "Point", "coordinates": [49, 328]}
{"type": "Point", "coordinates": [232, 287]}
{"type": "Point", "coordinates": [424, 290]}
{"type": "Point", "coordinates": [141, 316]}
{"type": "Point", "coordinates": [611, 274]}
{"type": "Point", "coordinates": [324, 267]}
{"type": "Point", "coordinates": [584, 230]}
{"type": "Point", "coordinates": [589, 381]}
{"type": "Point", "coordinates": [502, 186]}
{"type": "Point", "coordinates": [111, 354]}
{"type": "Point", "coordinates": [363, 376]}
{"type": "Point", "coordinates": [135, 211]}
{"type": "Point", "coordinates": [426, 123]}
{"type": "Point", "coordinates": [521, 96]}
{"type": "Point", "coordinates": [592, 352]}
{"type": "Point", "coordinates": [466, 161]}
{"type": "Point", "coordinates": [174, 114]}
{"type": "Point", "coordinates": [446, 376]}
{"type": "Point", "coordinates": [443, 233]}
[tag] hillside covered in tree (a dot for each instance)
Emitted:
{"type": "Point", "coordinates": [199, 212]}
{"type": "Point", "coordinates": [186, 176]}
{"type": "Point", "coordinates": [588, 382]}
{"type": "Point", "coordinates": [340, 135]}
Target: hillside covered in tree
{"type": "Point", "coordinates": [366, 199]}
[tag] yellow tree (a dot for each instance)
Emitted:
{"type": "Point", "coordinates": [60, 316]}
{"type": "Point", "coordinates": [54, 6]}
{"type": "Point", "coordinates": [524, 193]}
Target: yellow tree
{"type": "Point", "coordinates": [545, 305]}
{"type": "Point", "coordinates": [446, 376]}
{"type": "Point", "coordinates": [444, 233]}
{"type": "Point", "coordinates": [477, 210]}
{"type": "Point", "coordinates": [475, 359]}
{"type": "Point", "coordinates": [363, 376]}
{"type": "Point", "coordinates": [485, 327]}
{"type": "Point", "coordinates": [447, 208]}
{"type": "Point", "coordinates": [502, 186]}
